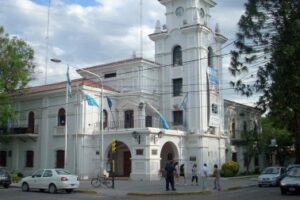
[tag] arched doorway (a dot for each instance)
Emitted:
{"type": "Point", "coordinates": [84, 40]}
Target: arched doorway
{"type": "Point", "coordinates": [168, 152]}
{"type": "Point", "coordinates": [122, 158]}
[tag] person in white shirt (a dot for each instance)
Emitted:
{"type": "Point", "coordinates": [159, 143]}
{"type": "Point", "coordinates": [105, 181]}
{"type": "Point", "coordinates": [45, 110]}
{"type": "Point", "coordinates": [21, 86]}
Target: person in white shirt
{"type": "Point", "coordinates": [204, 175]}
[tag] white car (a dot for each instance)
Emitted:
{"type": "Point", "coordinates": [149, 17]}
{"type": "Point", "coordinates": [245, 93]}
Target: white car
{"type": "Point", "coordinates": [51, 180]}
{"type": "Point", "coordinates": [271, 176]}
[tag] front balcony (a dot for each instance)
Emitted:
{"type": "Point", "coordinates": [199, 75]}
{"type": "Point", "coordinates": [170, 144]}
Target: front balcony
{"type": "Point", "coordinates": [19, 129]}
{"type": "Point", "coordinates": [21, 132]}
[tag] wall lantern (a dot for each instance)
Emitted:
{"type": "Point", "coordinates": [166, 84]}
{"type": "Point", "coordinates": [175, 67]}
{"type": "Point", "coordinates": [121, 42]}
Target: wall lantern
{"type": "Point", "coordinates": [136, 136]}
{"type": "Point", "coordinates": [160, 134]}
{"type": "Point", "coordinates": [141, 105]}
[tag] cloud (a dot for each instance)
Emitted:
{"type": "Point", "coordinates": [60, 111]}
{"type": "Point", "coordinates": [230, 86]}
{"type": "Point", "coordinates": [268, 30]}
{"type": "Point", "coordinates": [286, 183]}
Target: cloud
{"type": "Point", "coordinates": [84, 33]}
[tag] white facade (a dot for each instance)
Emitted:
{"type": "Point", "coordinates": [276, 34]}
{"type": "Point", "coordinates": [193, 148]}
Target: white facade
{"type": "Point", "coordinates": [182, 84]}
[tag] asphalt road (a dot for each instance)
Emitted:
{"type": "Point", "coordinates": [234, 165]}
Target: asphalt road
{"type": "Point", "coordinates": [251, 193]}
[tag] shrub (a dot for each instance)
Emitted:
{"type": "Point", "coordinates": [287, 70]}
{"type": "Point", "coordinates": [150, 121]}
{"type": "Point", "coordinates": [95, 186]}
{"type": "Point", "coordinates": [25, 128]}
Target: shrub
{"type": "Point", "coordinates": [230, 168]}
{"type": "Point", "coordinates": [16, 176]}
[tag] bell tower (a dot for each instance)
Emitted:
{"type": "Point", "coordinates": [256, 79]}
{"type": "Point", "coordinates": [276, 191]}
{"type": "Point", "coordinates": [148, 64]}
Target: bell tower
{"type": "Point", "coordinates": [189, 51]}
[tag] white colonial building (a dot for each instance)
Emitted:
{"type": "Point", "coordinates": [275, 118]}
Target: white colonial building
{"type": "Point", "coordinates": [182, 85]}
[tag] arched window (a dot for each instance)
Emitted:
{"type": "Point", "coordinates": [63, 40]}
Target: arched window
{"type": "Point", "coordinates": [177, 56]}
{"type": "Point", "coordinates": [31, 122]}
{"type": "Point", "coordinates": [105, 119]}
{"type": "Point", "coordinates": [61, 117]}
{"type": "Point", "coordinates": [210, 55]}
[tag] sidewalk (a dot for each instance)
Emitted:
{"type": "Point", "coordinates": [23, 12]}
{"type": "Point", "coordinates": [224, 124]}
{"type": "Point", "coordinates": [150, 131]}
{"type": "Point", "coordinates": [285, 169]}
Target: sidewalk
{"type": "Point", "coordinates": [150, 188]}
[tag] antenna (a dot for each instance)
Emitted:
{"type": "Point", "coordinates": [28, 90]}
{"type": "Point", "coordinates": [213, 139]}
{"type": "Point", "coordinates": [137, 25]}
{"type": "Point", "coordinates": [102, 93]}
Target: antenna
{"type": "Point", "coordinates": [47, 43]}
{"type": "Point", "coordinates": [141, 27]}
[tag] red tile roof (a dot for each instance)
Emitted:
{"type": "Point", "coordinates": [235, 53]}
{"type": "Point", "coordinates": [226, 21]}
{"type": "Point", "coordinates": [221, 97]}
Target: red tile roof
{"type": "Point", "coordinates": [62, 85]}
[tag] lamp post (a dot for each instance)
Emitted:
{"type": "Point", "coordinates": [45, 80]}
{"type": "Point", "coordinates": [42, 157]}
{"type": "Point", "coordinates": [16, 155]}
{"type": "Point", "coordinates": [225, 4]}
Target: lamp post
{"type": "Point", "coordinates": [101, 111]}
{"type": "Point", "coordinates": [66, 119]}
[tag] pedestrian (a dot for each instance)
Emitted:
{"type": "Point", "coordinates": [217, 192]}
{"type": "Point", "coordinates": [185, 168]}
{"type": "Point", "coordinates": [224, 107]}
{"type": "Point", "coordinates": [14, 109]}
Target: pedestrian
{"type": "Point", "coordinates": [204, 175]}
{"type": "Point", "coordinates": [176, 172]}
{"type": "Point", "coordinates": [182, 173]}
{"type": "Point", "coordinates": [216, 174]}
{"type": "Point", "coordinates": [169, 175]}
{"type": "Point", "coordinates": [194, 174]}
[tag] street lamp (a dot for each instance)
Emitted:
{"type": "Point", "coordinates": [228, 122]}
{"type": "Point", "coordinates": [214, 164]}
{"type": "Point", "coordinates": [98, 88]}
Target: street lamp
{"type": "Point", "coordinates": [101, 110]}
{"type": "Point", "coordinates": [66, 119]}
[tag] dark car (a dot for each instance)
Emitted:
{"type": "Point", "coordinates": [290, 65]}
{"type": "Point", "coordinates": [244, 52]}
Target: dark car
{"type": "Point", "coordinates": [291, 183]}
{"type": "Point", "coordinates": [5, 179]}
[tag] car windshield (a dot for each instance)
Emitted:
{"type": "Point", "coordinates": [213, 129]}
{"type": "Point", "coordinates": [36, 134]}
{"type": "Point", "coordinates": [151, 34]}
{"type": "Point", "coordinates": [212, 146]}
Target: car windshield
{"type": "Point", "coordinates": [294, 172]}
{"type": "Point", "coordinates": [271, 170]}
{"type": "Point", "coordinates": [62, 172]}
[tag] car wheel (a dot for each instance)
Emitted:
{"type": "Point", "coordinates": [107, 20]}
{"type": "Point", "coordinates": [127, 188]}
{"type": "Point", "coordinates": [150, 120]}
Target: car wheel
{"type": "Point", "coordinates": [52, 189]}
{"type": "Point", "coordinates": [259, 185]}
{"type": "Point", "coordinates": [25, 187]}
{"type": "Point", "coordinates": [69, 191]}
{"type": "Point", "coordinates": [6, 185]}
{"type": "Point", "coordinates": [283, 191]}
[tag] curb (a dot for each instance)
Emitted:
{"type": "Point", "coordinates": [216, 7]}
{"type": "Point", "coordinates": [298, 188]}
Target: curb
{"type": "Point", "coordinates": [167, 193]}
{"type": "Point", "coordinates": [86, 191]}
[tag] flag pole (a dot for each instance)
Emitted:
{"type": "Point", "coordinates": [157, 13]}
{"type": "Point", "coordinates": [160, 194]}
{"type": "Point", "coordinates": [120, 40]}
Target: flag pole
{"type": "Point", "coordinates": [66, 119]}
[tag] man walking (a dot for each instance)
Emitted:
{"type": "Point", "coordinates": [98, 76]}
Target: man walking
{"type": "Point", "coordinates": [217, 176]}
{"type": "Point", "coordinates": [204, 175]}
{"type": "Point", "coordinates": [169, 175]}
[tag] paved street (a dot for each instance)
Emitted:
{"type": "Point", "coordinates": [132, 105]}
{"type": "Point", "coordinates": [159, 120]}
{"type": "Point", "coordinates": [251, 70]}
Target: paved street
{"type": "Point", "coordinates": [251, 193]}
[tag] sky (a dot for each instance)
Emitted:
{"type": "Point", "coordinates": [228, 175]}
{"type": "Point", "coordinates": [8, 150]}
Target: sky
{"type": "Point", "coordinates": [83, 33]}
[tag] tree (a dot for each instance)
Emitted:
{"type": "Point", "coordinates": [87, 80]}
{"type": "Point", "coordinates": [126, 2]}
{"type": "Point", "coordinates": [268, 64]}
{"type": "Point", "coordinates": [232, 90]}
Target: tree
{"type": "Point", "coordinates": [284, 140]}
{"type": "Point", "coordinates": [252, 146]}
{"type": "Point", "coordinates": [16, 65]}
{"type": "Point", "coordinates": [268, 46]}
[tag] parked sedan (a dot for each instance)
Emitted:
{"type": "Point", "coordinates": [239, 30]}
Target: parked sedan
{"type": "Point", "coordinates": [51, 180]}
{"type": "Point", "coordinates": [291, 183]}
{"type": "Point", "coordinates": [271, 176]}
{"type": "Point", "coordinates": [5, 178]}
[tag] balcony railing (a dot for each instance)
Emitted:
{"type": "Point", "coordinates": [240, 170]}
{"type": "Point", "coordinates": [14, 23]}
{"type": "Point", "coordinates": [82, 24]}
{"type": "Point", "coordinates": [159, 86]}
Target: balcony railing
{"type": "Point", "coordinates": [19, 129]}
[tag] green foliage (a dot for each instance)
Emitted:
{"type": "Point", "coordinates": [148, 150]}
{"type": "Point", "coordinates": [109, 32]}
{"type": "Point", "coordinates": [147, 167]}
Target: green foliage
{"type": "Point", "coordinates": [284, 139]}
{"type": "Point", "coordinates": [229, 169]}
{"type": "Point", "coordinates": [16, 65]}
{"type": "Point", "coordinates": [16, 176]}
{"type": "Point", "coordinates": [268, 46]}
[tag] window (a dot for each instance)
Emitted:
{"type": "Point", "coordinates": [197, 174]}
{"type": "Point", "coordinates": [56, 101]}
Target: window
{"type": "Point", "coordinates": [129, 120]}
{"type": "Point", "coordinates": [110, 75]}
{"type": "Point", "coordinates": [61, 117]}
{"type": "Point", "coordinates": [193, 158]}
{"type": "Point", "coordinates": [105, 119]}
{"type": "Point", "coordinates": [234, 157]}
{"type": "Point", "coordinates": [31, 122]}
{"type": "Point", "coordinates": [246, 160]}
{"type": "Point", "coordinates": [3, 157]}
{"type": "Point", "coordinates": [148, 121]}
{"type": "Point", "coordinates": [245, 126]}
{"type": "Point", "coordinates": [154, 151]}
{"type": "Point", "coordinates": [177, 87]}
{"type": "Point", "coordinates": [210, 57]}
{"type": "Point", "coordinates": [38, 173]}
{"type": "Point", "coordinates": [178, 117]}
{"type": "Point", "coordinates": [139, 152]}
{"type": "Point", "coordinates": [29, 159]}
{"type": "Point", "coordinates": [233, 128]}
{"type": "Point", "coordinates": [47, 173]}
{"type": "Point", "coordinates": [177, 56]}
{"type": "Point", "coordinates": [60, 159]}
